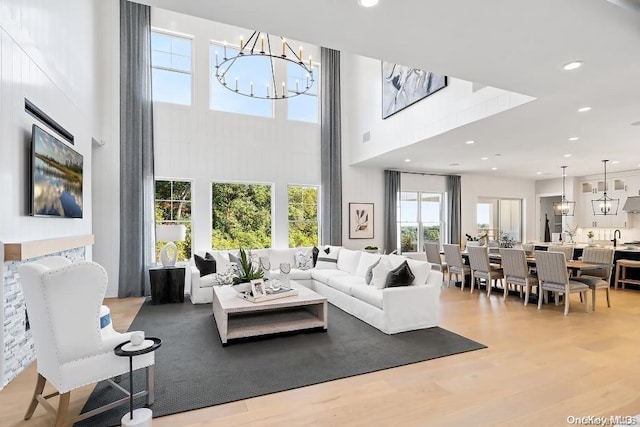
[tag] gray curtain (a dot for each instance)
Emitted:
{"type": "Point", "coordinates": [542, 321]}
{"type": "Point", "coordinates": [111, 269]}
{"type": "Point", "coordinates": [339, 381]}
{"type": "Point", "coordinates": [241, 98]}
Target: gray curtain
{"type": "Point", "coordinates": [391, 196]}
{"type": "Point", "coordinates": [330, 149]}
{"type": "Point", "coordinates": [136, 150]}
{"type": "Point", "coordinates": [454, 199]}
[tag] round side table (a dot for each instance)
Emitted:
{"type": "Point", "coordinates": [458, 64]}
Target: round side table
{"type": "Point", "coordinates": [140, 417]}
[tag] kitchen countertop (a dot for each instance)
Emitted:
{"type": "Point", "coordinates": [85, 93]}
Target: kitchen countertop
{"type": "Point", "coordinates": [582, 245]}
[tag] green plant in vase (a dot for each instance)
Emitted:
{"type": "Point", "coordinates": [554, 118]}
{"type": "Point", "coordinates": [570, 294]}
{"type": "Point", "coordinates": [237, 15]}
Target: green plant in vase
{"type": "Point", "coordinates": [246, 270]}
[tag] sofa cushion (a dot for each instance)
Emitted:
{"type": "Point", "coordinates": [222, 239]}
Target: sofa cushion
{"type": "Point", "coordinates": [400, 276]}
{"type": "Point", "coordinates": [368, 294]}
{"type": "Point", "coordinates": [368, 276]}
{"type": "Point", "coordinates": [206, 265]}
{"type": "Point", "coordinates": [348, 260]}
{"type": "Point", "coordinates": [420, 269]}
{"type": "Point", "coordinates": [295, 274]}
{"type": "Point", "coordinates": [328, 258]}
{"type": "Point", "coordinates": [344, 283]}
{"type": "Point", "coordinates": [207, 281]}
{"type": "Point", "coordinates": [380, 273]}
{"type": "Point", "coordinates": [366, 261]}
{"type": "Point", "coordinates": [314, 253]}
{"type": "Point", "coordinates": [395, 260]}
{"type": "Point", "coordinates": [222, 260]}
{"type": "Point", "coordinates": [278, 256]}
{"type": "Point", "coordinates": [322, 275]}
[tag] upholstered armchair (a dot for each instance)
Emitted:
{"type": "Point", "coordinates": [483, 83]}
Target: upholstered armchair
{"type": "Point", "coordinates": [64, 302]}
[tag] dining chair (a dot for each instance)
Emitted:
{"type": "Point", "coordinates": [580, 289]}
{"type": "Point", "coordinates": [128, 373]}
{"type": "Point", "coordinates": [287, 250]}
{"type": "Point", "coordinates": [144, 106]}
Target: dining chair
{"type": "Point", "coordinates": [516, 272]}
{"type": "Point", "coordinates": [553, 276]}
{"type": "Point", "coordinates": [598, 277]}
{"type": "Point", "coordinates": [455, 265]}
{"type": "Point", "coordinates": [567, 250]}
{"type": "Point", "coordinates": [481, 268]}
{"type": "Point", "coordinates": [432, 250]}
{"type": "Point", "coordinates": [528, 248]}
{"type": "Point", "coordinates": [64, 301]}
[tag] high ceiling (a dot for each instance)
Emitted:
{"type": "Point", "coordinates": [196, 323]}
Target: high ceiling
{"type": "Point", "coordinates": [520, 46]}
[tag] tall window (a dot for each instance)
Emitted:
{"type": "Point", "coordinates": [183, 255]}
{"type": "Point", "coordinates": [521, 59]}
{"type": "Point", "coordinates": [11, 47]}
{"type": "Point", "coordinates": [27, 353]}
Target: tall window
{"type": "Point", "coordinates": [173, 206]}
{"type": "Point", "coordinates": [303, 216]}
{"type": "Point", "coordinates": [496, 217]}
{"type": "Point", "coordinates": [241, 215]}
{"type": "Point", "coordinates": [421, 219]}
{"type": "Point", "coordinates": [171, 68]}
{"type": "Point", "coordinates": [250, 70]}
{"type": "Point", "coordinates": [303, 107]}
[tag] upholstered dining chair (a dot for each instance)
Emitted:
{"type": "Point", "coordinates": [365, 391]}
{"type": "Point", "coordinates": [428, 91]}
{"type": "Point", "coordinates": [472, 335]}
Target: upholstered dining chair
{"type": "Point", "coordinates": [599, 277]}
{"type": "Point", "coordinates": [516, 272]}
{"type": "Point", "coordinates": [553, 276]}
{"type": "Point", "coordinates": [432, 250]}
{"type": "Point", "coordinates": [567, 250]}
{"type": "Point", "coordinates": [455, 265]}
{"type": "Point", "coordinates": [64, 302]}
{"type": "Point", "coordinates": [481, 268]}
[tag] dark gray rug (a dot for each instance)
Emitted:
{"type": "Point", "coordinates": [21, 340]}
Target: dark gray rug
{"type": "Point", "coordinates": [193, 370]}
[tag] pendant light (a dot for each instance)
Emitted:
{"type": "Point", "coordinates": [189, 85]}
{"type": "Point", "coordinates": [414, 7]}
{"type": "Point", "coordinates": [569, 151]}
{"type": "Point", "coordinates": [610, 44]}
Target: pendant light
{"type": "Point", "coordinates": [564, 207]}
{"type": "Point", "coordinates": [605, 205]}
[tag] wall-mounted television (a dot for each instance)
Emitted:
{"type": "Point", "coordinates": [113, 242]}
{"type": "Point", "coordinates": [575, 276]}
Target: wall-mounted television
{"type": "Point", "coordinates": [56, 177]}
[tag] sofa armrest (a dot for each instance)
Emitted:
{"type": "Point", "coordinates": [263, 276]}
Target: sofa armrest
{"type": "Point", "coordinates": [435, 277]}
{"type": "Point", "coordinates": [195, 277]}
{"type": "Point", "coordinates": [412, 304]}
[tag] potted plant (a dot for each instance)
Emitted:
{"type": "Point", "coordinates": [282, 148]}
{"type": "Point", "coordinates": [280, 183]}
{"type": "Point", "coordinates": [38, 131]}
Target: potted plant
{"type": "Point", "coordinates": [371, 249]}
{"type": "Point", "coordinates": [590, 236]}
{"type": "Point", "coordinates": [246, 273]}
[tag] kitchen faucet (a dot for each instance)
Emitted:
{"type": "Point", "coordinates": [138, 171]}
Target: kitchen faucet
{"type": "Point", "coordinates": [615, 241]}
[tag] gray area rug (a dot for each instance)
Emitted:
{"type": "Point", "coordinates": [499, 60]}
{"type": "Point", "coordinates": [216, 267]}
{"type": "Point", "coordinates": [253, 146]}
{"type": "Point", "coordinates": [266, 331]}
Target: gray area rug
{"type": "Point", "coordinates": [194, 371]}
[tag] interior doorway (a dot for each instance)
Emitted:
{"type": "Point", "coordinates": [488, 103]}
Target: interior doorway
{"type": "Point", "coordinates": [555, 221]}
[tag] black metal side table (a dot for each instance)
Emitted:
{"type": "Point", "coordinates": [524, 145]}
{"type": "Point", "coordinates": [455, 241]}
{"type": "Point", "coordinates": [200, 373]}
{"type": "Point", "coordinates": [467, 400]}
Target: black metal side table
{"type": "Point", "coordinates": [141, 417]}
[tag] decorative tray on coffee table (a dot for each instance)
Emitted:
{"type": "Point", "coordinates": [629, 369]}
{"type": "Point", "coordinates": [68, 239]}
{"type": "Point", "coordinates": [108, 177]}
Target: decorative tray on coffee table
{"type": "Point", "coordinates": [271, 295]}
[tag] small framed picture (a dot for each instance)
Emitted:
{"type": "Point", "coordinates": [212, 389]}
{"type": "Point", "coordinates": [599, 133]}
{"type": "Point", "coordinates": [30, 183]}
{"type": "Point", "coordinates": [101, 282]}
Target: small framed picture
{"type": "Point", "coordinates": [257, 288]}
{"type": "Point", "coordinates": [361, 220]}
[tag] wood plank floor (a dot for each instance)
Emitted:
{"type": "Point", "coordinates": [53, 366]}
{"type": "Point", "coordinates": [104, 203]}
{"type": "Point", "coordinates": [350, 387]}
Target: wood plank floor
{"type": "Point", "coordinates": [539, 368]}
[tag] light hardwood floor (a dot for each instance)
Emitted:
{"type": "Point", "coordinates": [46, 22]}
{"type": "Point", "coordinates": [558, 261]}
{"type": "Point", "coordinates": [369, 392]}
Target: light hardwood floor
{"type": "Point", "coordinates": [539, 368]}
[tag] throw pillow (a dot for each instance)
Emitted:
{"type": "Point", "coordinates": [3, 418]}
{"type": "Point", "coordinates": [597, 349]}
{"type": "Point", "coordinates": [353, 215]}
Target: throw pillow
{"type": "Point", "coordinates": [380, 273]}
{"type": "Point", "coordinates": [303, 260]}
{"type": "Point", "coordinates": [315, 252]}
{"type": "Point", "coordinates": [328, 259]}
{"type": "Point", "coordinates": [225, 277]}
{"type": "Point", "coordinates": [400, 276]}
{"type": "Point", "coordinates": [235, 259]}
{"type": "Point", "coordinates": [206, 265]}
{"type": "Point", "coordinates": [368, 276]}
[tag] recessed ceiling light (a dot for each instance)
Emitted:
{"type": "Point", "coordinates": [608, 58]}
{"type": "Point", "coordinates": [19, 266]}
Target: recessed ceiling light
{"type": "Point", "coordinates": [407, 160]}
{"type": "Point", "coordinates": [574, 138]}
{"type": "Point", "coordinates": [538, 173]}
{"type": "Point", "coordinates": [573, 65]}
{"type": "Point", "coordinates": [368, 3]}
{"type": "Point", "coordinates": [494, 169]}
{"type": "Point", "coordinates": [615, 162]}
{"type": "Point", "coordinates": [470, 142]}
{"type": "Point", "coordinates": [584, 109]}
{"type": "Point", "coordinates": [484, 158]}
{"type": "Point", "coordinates": [567, 155]}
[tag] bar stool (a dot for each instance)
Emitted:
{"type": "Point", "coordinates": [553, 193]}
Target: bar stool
{"type": "Point", "coordinates": [621, 271]}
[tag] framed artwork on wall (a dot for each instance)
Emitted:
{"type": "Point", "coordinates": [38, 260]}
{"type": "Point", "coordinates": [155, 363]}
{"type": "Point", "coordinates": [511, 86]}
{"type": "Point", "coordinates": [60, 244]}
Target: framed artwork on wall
{"type": "Point", "coordinates": [361, 220]}
{"type": "Point", "coordinates": [403, 86]}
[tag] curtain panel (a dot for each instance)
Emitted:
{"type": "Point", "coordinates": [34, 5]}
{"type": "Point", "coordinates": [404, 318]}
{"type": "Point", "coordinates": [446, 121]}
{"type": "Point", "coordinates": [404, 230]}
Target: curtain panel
{"type": "Point", "coordinates": [392, 180]}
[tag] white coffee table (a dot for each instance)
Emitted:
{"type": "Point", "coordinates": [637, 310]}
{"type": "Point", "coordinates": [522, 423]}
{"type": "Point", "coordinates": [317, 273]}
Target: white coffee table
{"type": "Point", "coordinates": [239, 318]}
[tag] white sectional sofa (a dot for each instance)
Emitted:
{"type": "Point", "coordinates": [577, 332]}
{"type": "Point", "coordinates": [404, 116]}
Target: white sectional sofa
{"type": "Point", "coordinates": [391, 310]}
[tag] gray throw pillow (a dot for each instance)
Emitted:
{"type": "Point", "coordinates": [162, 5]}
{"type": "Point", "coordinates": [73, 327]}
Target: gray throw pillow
{"type": "Point", "coordinates": [235, 259]}
{"type": "Point", "coordinates": [368, 276]}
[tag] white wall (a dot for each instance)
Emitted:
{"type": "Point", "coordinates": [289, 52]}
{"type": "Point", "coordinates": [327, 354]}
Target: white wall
{"type": "Point", "coordinates": [198, 144]}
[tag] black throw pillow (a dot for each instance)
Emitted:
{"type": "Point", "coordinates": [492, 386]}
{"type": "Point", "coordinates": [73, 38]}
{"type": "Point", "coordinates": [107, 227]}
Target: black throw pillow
{"type": "Point", "coordinates": [206, 265]}
{"type": "Point", "coordinates": [400, 276]}
{"type": "Point", "coordinates": [314, 253]}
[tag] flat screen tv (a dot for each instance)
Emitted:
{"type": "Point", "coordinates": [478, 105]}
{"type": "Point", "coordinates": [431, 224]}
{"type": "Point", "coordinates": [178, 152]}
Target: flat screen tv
{"type": "Point", "coordinates": [56, 174]}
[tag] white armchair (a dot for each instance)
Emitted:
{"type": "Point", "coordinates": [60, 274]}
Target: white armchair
{"type": "Point", "coordinates": [64, 302]}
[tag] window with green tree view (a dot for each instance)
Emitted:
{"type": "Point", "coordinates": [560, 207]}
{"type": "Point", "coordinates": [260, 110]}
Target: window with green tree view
{"type": "Point", "coordinates": [241, 215]}
{"type": "Point", "coordinates": [173, 206]}
{"type": "Point", "coordinates": [421, 219]}
{"type": "Point", "coordinates": [303, 216]}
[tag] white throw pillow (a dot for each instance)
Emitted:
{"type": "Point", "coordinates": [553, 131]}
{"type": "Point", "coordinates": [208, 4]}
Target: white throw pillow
{"type": "Point", "coordinates": [366, 261]}
{"type": "Point", "coordinates": [348, 260]}
{"type": "Point", "coordinates": [328, 258]}
{"type": "Point", "coordinates": [380, 273]}
{"type": "Point", "coordinates": [303, 259]}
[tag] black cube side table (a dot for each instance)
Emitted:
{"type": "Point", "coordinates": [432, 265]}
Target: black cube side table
{"type": "Point", "coordinates": [167, 284]}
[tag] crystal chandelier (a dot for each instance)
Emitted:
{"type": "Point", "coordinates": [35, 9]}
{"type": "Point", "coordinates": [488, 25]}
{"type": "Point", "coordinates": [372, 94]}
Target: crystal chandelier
{"type": "Point", "coordinates": [605, 205]}
{"type": "Point", "coordinates": [565, 207]}
{"type": "Point", "coordinates": [260, 45]}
